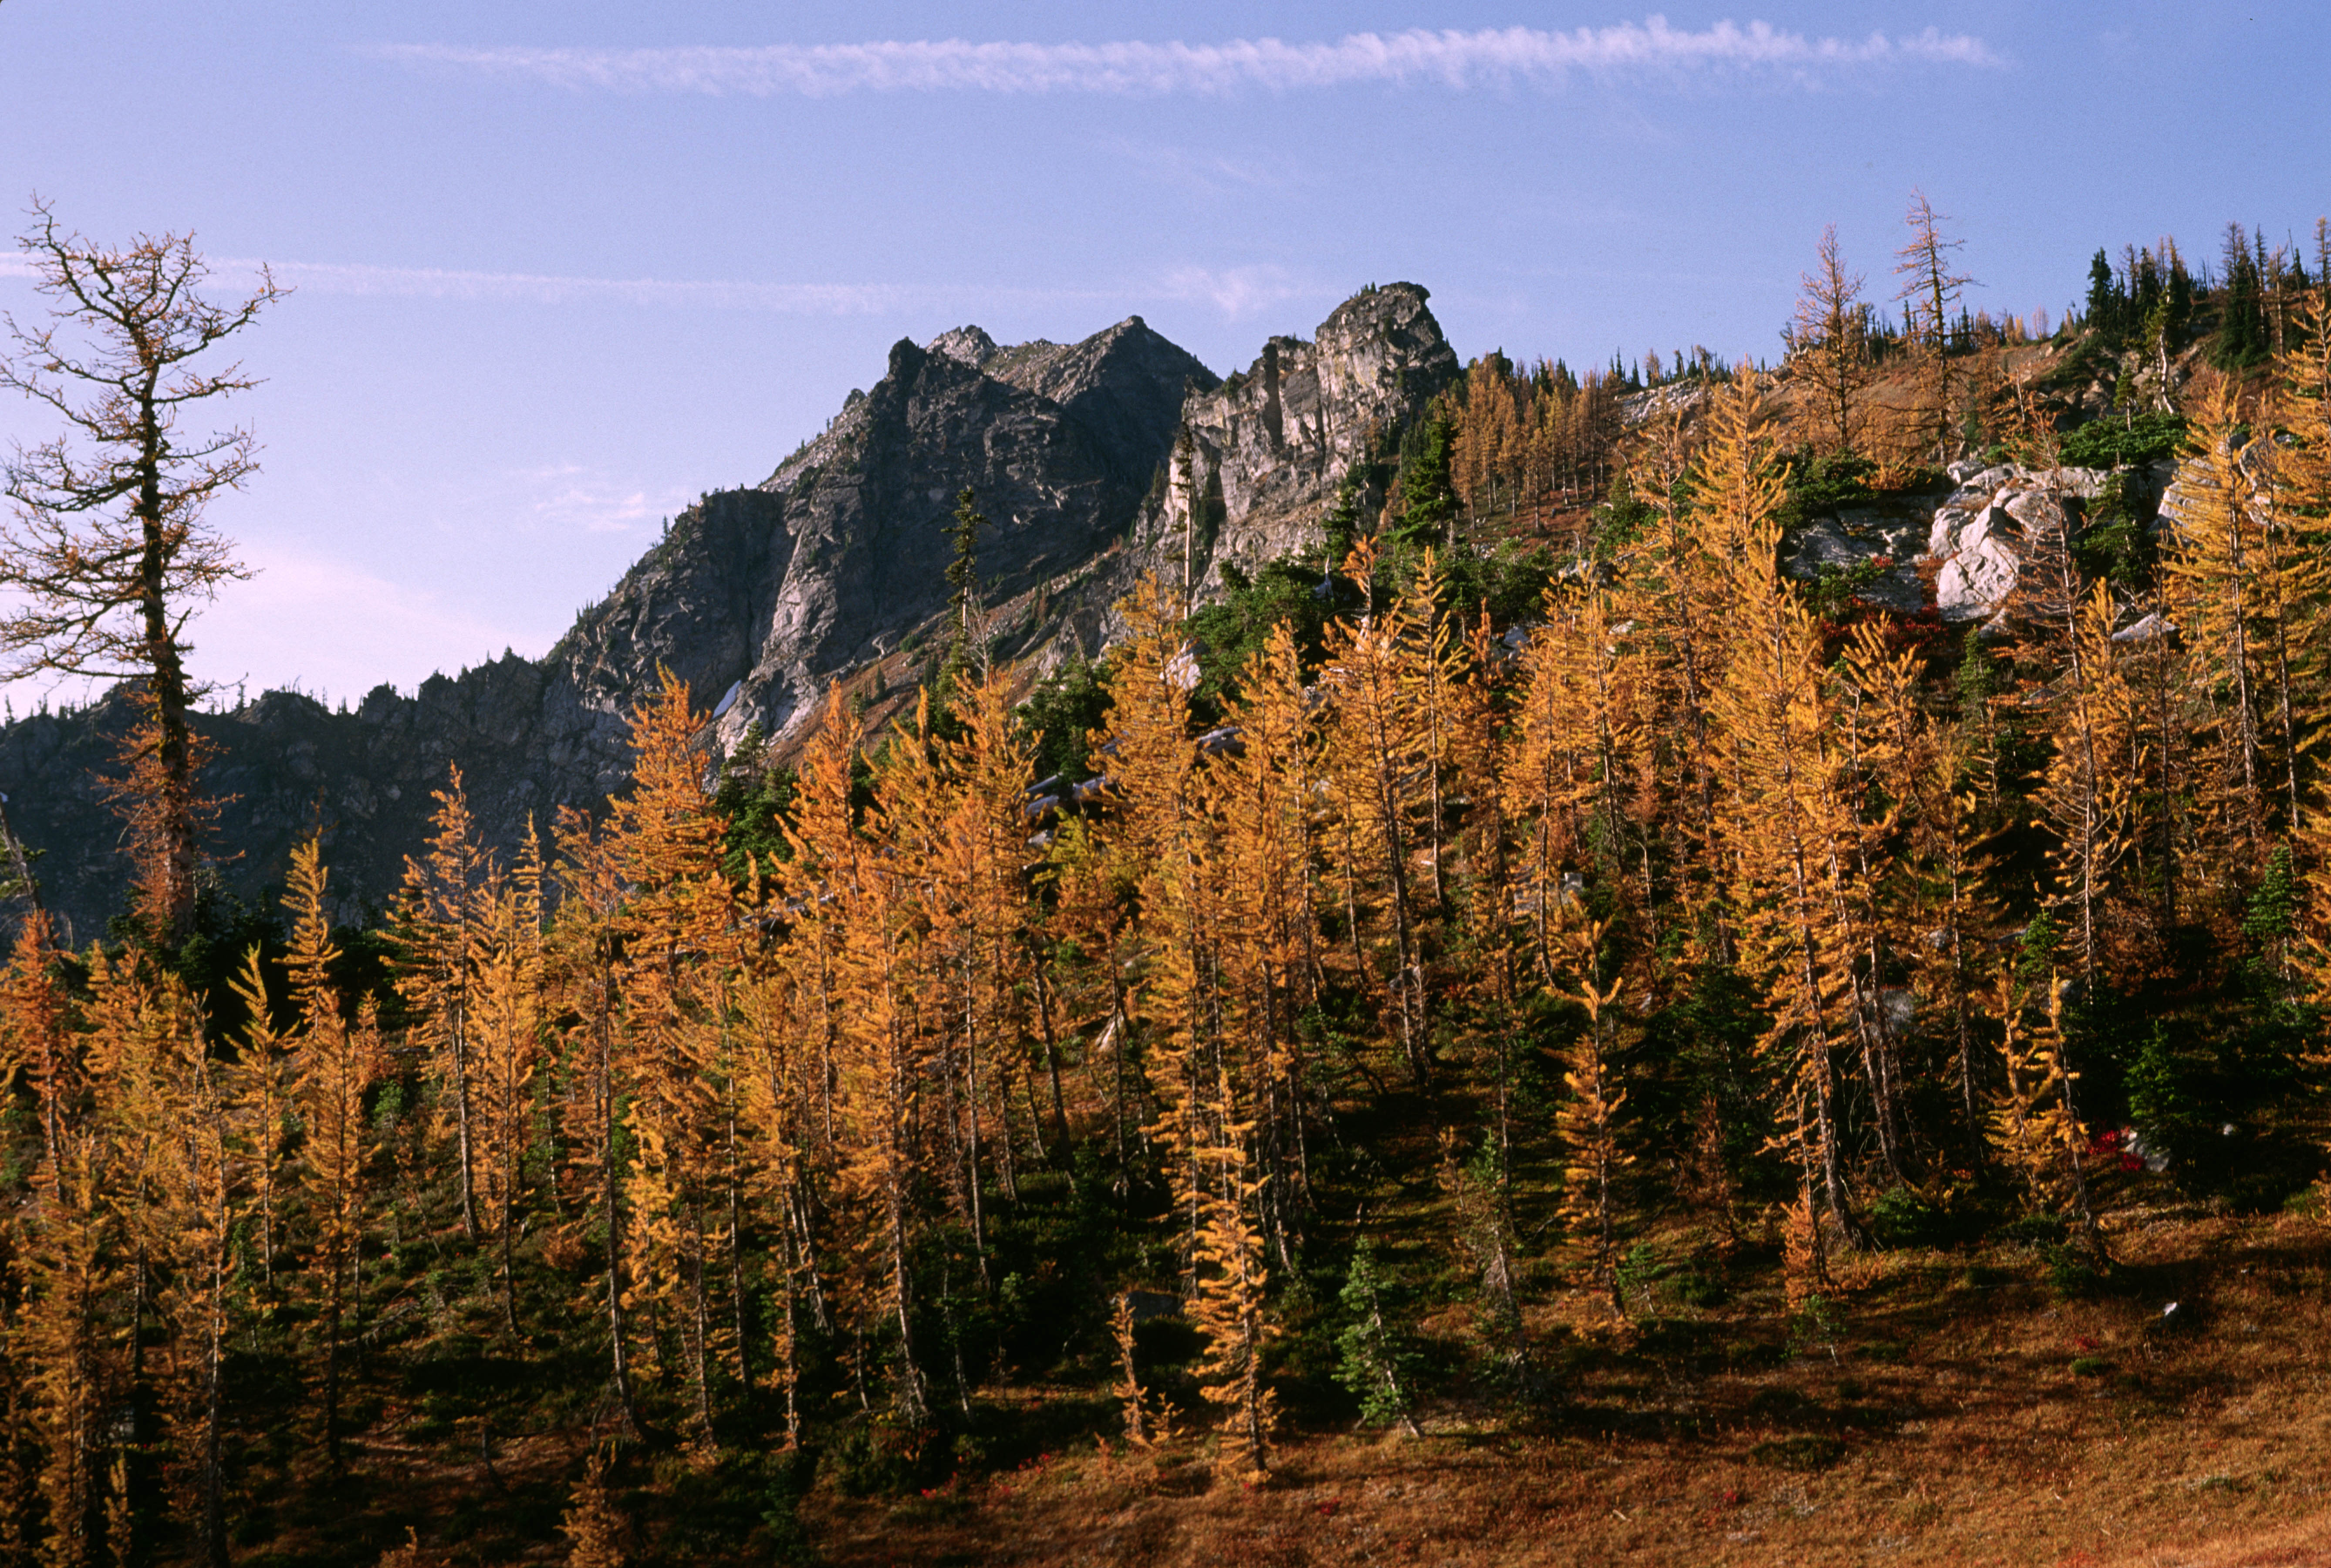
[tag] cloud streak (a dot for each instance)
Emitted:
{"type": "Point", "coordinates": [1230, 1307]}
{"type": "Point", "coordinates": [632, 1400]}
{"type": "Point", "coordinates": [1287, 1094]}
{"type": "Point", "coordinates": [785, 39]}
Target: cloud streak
{"type": "Point", "coordinates": [570, 496]}
{"type": "Point", "coordinates": [1449, 59]}
{"type": "Point", "coordinates": [1235, 291]}
{"type": "Point", "coordinates": [1209, 174]}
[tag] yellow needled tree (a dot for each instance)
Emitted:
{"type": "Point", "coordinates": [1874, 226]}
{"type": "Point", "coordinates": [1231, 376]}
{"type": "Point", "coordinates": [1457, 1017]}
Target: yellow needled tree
{"type": "Point", "coordinates": [168, 1183]}
{"type": "Point", "coordinates": [1829, 348]}
{"type": "Point", "coordinates": [434, 925]}
{"type": "Point", "coordinates": [225, 1119]}
{"type": "Point", "coordinates": [1153, 838]}
{"type": "Point", "coordinates": [255, 1092]}
{"type": "Point", "coordinates": [508, 1029]}
{"type": "Point", "coordinates": [35, 1041]}
{"type": "Point", "coordinates": [882, 1058]}
{"type": "Point", "coordinates": [1094, 875]}
{"type": "Point", "coordinates": [65, 1272]}
{"type": "Point", "coordinates": [1498, 953]}
{"type": "Point", "coordinates": [39, 1051]}
{"type": "Point", "coordinates": [980, 926]}
{"type": "Point", "coordinates": [2086, 797]}
{"type": "Point", "coordinates": [816, 888]}
{"type": "Point", "coordinates": [1486, 451]}
{"type": "Point", "coordinates": [1577, 749]}
{"type": "Point", "coordinates": [1230, 1309]}
{"type": "Point", "coordinates": [1382, 758]}
{"type": "Point", "coordinates": [585, 954]}
{"type": "Point", "coordinates": [1257, 799]}
{"type": "Point", "coordinates": [1678, 599]}
{"type": "Point", "coordinates": [776, 1018]}
{"type": "Point", "coordinates": [2035, 1125]}
{"type": "Point", "coordinates": [1942, 913]}
{"type": "Point", "coordinates": [1587, 1125]}
{"type": "Point", "coordinates": [2244, 579]}
{"type": "Point", "coordinates": [680, 967]}
{"type": "Point", "coordinates": [175, 1182]}
{"type": "Point", "coordinates": [334, 1066]}
{"type": "Point", "coordinates": [945, 1001]}
{"type": "Point", "coordinates": [795, 1023]}
{"type": "Point", "coordinates": [1787, 828]}
{"type": "Point", "coordinates": [943, 1006]}
{"type": "Point", "coordinates": [592, 1525]}
{"type": "Point", "coordinates": [2301, 410]}
{"type": "Point", "coordinates": [2231, 606]}
{"type": "Point", "coordinates": [1208, 839]}
{"type": "Point", "coordinates": [1235, 914]}
{"type": "Point", "coordinates": [2089, 799]}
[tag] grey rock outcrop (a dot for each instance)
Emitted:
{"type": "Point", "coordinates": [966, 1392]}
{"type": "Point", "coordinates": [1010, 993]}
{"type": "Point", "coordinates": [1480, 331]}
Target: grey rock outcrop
{"type": "Point", "coordinates": [1257, 460]}
{"type": "Point", "coordinates": [1981, 534]}
{"type": "Point", "coordinates": [1978, 539]}
{"type": "Point", "coordinates": [1057, 443]}
{"type": "Point", "coordinates": [1887, 539]}
{"type": "Point", "coordinates": [2185, 480]}
{"type": "Point", "coordinates": [1687, 398]}
{"type": "Point", "coordinates": [1965, 549]}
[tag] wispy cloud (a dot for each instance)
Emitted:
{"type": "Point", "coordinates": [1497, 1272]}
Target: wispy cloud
{"type": "Point", "coordinates": [1209, 173]}
{"type": "Point", "coordinates": [562, 289]}
{"type": "Point", "coordinates": [1235, 291]}
{"type": "Point", "coordinates": [570, 496]}
{"type": "Point", "coordinates": [1447, 58]}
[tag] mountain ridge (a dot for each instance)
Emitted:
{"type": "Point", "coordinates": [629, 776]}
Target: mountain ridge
{"type": "Point", "coordinates": [1095, 462]}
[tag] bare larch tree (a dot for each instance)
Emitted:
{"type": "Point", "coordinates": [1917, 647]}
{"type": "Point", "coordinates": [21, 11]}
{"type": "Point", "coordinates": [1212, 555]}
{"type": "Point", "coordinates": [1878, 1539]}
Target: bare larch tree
{"type": "Point", "coordinates": [104, 555]}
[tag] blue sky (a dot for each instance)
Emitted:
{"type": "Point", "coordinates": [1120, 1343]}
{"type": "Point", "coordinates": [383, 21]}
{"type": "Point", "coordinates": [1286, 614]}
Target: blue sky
{"type": "Point", "coordinates": [561, 267]}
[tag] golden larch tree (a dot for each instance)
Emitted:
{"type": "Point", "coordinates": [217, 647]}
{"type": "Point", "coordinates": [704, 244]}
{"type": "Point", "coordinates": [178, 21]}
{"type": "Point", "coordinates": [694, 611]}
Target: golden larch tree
{"type": "Point", "coordinates": [1786, 824]}
{"type": "Point", "coordinates": [1829, 348]}
{"type": "Point", "coordinates": [434, 927]}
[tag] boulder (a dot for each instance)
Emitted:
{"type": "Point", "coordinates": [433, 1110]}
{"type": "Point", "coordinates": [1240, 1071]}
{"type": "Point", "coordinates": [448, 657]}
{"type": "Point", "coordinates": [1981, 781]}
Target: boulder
{"type": "Point", "coordinates": [2182, 477]}
{"type": "Point", "coordinates": [1860, 536]}
{"type": "Point", "coordinates": [1980, 534]}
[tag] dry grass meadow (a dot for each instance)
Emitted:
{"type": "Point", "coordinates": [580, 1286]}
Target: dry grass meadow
{"type": "Point", "coordinates": [1960, 1411]}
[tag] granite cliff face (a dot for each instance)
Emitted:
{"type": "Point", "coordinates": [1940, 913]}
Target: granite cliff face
{"type": "Point", "coordinates": [1057, 443]}
{"type": "Point", "coordinates": [1094, 461]}
{"type": "Point", "coordinates": [1257, 460]}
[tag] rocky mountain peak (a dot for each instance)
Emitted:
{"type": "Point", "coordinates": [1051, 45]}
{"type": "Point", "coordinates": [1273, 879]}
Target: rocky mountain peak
{"type": "Point", "coordinates": [1094, 461]}
{"type": "Point", "coordinates": [1258, 459]}
{"type": "Point", "coordinates": [967, 345]}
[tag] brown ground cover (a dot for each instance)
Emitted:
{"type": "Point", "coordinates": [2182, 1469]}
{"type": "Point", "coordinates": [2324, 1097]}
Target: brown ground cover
{"type": "Point", "coordinates": [1961, 1409]}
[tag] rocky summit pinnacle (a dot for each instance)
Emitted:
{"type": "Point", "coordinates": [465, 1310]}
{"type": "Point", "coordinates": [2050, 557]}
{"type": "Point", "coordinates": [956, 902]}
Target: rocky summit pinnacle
{"type": "Point", "coordinates": [1094, 462]}
{"type": "Point", "coordinates": [1257, 458]}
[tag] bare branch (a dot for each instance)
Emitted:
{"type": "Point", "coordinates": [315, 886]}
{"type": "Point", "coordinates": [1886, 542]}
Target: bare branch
{"type": "Point", "coordinates": [104, 555]}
